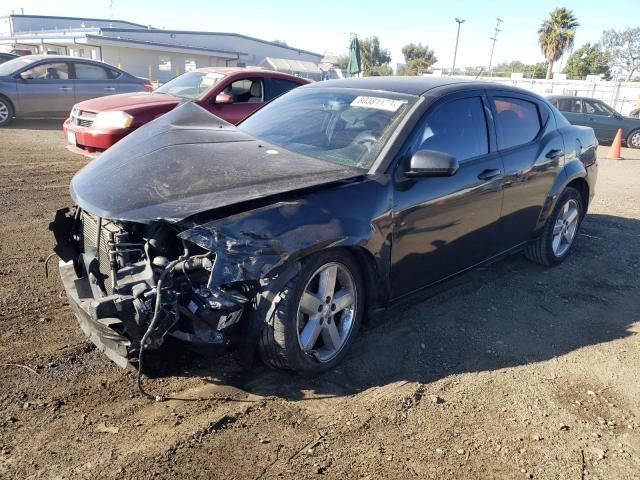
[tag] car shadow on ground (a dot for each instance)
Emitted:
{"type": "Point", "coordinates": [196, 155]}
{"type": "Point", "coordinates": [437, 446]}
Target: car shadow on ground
{"type": "Point", "coordinates": [36, 124]}
{"type": "Point", "coordinates": [509, 314]}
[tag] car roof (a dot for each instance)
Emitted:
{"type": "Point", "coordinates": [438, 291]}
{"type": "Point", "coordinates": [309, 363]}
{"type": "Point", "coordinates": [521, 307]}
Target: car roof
{"type": "Point", "coordinates": [244, 70]}
{"type": "Point", "coordinates": [414, 85]}
{"type": "Point", "coordinates": [66, 58]}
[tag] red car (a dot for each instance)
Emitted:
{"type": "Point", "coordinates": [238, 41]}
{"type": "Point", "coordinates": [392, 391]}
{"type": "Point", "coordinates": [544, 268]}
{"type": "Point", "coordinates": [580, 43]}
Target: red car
{"type": "Point", "coordinates": [230, 93]}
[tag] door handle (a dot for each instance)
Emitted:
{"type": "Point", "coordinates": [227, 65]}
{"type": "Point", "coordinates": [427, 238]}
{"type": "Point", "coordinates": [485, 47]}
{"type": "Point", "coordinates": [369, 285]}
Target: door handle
{"type": "Point", "coordinates": [109, 89]}
{"type": "Point", "coordinates": [489, 174]}
{"type": "Point", "coordinates": [553, 154]}
{"type": "Point", "coordinates": [65, 89]}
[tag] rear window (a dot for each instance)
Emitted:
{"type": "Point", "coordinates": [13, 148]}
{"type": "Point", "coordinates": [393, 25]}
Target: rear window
{"type": "Point", "coordinates": [88, 71]}
{"type": "Point", "coordinates": [571, 105]}
{"type": "Point", "coordinates": [518, 121]}
{"type": "Point", "coordinates": [280, 86]}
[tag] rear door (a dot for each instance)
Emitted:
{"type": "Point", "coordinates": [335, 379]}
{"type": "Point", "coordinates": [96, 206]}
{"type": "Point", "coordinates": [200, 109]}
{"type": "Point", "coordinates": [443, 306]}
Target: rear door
{"type": "Point", "coordinates": [247, 95]}
{"type": "Point", "coordinates": [46, 90]}
{"type": "Point", "coordinates": [444, 225]}
{"type": "Point", "coordinates": [92, 81]}
{"type": "Point", "coordinates": [532, 150]}
{"type": "Point", "coordinates": [280, 86]}
{"type": "Point", "coordinates": [572, 109]}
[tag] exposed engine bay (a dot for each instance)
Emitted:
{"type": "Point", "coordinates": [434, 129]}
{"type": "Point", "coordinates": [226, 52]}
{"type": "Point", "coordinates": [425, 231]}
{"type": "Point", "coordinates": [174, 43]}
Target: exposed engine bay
{"type": "Point", "coordinates": [144, 283]}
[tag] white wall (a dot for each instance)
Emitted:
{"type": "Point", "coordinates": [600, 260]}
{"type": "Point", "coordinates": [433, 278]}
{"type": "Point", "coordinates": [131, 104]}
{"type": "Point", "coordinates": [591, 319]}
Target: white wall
{"type": "Point", "coordinates": [137, 62]}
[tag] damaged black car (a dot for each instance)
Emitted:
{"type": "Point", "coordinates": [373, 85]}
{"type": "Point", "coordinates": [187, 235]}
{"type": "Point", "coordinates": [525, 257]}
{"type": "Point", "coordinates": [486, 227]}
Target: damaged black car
{"type": "Point", "coordinates": [335, 201]}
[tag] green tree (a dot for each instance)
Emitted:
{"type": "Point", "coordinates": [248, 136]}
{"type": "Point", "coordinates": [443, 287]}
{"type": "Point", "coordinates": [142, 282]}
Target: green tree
{"type": "Point", "coordinates": [556, 35]}
{"type": "Point", "coordinates": [588, 60]}
{"type": "Point", "coordinates": [375, 59]}
{"type": "Point", "coordinates": [343, 61]}
{"type": "Point", "coordinates": [418, 58]}
{"type": "Point", "coordinates": [505, 69]}
{"type": "Point", "coordinates": [623, 47]}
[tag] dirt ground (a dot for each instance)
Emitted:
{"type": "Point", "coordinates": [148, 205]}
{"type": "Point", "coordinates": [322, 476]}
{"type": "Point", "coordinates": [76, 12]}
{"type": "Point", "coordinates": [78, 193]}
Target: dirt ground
{"type": "Point", "coordinates": [517, 371]}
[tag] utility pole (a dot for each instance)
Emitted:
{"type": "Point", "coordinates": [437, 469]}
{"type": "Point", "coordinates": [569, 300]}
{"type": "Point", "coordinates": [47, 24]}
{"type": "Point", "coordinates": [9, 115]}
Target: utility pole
{"type": "Point", "coordinates": [455, 52]}
{"type": "Point", "coordinates": [493, 45]}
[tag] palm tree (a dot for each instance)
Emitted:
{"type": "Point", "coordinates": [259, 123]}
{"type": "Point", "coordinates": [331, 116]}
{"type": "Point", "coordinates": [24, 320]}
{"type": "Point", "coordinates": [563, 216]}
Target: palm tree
{"type": "Point", "coordinates": [556, 35]}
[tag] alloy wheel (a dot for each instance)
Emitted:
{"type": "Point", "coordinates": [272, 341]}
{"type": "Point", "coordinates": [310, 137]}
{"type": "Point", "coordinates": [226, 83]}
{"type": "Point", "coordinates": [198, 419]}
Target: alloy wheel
{"type": "Point", "coordinates": [635, 140]}
{"type": "Point", "coordinates": [565, 228]}
{"type": "Point", "coordinates": [326, 311]}
{"type": "Point", "coordinates": [4, 112]}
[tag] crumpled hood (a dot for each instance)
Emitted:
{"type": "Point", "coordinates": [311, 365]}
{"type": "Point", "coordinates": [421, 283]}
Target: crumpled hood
{"type": "Point", "coordinates": [189, 161]}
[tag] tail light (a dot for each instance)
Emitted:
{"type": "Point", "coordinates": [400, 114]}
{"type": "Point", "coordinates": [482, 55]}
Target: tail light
{"type": "Point", "coordinates": [148, 87]}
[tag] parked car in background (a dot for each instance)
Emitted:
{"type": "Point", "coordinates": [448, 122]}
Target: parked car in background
{"type": "Point", "coordinates": [5, 57]}
{"type": "Point", "coordinates": [229, 93]}
{"type": "Point", "coordinates": [332, 202]}
{"type": "Point", "coordinates": [49, 85]}
{"type": "Point", "coordinates": [604, 120]}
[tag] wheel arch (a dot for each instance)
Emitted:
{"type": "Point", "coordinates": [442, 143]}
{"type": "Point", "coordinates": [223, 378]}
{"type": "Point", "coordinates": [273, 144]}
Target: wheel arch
{"type": "Point", "coordinates": [8, 99]}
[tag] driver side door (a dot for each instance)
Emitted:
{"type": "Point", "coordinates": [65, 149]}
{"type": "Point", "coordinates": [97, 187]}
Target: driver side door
{"type": "Point", "coordinates": [45, 90]}
{"type": "Point", "coordinates": [602, 119]}
{"type": "Point", "coordinates": [444, 225]}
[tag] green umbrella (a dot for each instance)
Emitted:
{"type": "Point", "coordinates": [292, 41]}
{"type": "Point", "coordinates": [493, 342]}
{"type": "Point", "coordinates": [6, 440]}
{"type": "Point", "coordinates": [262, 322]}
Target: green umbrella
{"type": "Point", "coordinates": [354, 67]}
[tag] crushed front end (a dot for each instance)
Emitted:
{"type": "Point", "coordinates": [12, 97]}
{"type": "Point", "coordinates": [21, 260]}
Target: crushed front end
{"type": "Point", "coordinates": [133, 283]}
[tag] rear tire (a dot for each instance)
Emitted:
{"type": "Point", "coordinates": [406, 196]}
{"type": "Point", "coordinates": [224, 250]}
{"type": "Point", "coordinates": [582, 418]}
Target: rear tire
{"type": "Point", "coordinates": [633, 139]}
{"type": "Point", "coordinates": [560, 232]}
{"type": "Point", "coordinates": [318, 316]}
{"type": "Point", "coordinates": [6, 111]}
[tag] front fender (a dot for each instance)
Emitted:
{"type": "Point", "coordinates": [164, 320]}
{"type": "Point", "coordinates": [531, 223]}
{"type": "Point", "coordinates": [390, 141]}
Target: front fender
{"type": "Point", "coordinates": [255, 245]}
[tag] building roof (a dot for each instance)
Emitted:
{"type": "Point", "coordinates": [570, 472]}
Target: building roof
{"type": "Point", "coordinates": [102, 38]}
{"type": "Point", "coordinates": [284, 65]}
{"type": "Point", "coordinates": [196, 32]}
{"type": "Point", "coordinates": [50, 17]}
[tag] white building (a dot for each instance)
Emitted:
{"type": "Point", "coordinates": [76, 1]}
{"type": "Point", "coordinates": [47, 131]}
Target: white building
{"type": "Point", "coordinates": [154, 53]}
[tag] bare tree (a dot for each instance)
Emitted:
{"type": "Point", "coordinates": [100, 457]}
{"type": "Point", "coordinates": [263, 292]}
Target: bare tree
{"type": "Point", "coordinates": [623, 46]}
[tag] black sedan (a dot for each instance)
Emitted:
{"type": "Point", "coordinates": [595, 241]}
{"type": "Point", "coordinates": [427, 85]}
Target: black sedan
{"type": "Point", "coordinates": [332, 203]}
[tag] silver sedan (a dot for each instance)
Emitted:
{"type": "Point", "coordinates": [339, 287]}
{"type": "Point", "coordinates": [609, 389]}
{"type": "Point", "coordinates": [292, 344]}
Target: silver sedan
{"type": "Point", "coordinates": [49, 85]}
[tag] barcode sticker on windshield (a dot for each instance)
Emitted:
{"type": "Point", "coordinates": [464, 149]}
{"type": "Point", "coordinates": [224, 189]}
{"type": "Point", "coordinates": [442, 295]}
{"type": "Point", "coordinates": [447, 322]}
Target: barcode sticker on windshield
{"type": "Point", "coordinates": [378, 103]}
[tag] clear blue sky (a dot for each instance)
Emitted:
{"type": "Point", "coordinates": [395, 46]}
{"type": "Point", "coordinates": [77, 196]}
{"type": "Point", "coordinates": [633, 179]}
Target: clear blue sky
{"type": "Point", "coordinates": [324, 26]}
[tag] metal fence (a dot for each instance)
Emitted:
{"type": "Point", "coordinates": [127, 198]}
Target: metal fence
{"type": "Point", "coordinates": [622, 96]}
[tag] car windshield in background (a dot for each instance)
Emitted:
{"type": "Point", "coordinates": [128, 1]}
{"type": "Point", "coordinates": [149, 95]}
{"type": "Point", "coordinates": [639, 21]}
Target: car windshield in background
{"type": "Point", "coordinates": [190, 85]}
{"type": "Point", "coordinates": [343, 126]}
{"type": "Point", "coordinates": [12, 66]}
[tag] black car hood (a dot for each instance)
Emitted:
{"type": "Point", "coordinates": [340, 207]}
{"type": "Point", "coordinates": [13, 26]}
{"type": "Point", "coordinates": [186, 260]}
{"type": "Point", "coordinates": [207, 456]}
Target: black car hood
{"type": "Point", "coordinates": [189, 161]}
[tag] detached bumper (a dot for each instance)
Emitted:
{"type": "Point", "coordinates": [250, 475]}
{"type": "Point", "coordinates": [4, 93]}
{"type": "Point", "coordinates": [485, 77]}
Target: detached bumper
{"type": "Point", "coordinates": [99, 331]}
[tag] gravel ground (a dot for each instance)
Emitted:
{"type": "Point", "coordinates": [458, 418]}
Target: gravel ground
{"type": "Point", "coordinates": [516, 371]}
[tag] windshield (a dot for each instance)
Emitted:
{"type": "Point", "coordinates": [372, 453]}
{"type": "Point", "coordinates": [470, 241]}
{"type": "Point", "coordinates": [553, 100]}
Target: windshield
{"type": "Point", "coordinates": [344, 126]}
{"type": "Point", "coordinates": [12, 66]}
{"type": "Point", "coordinates": [190, 85]}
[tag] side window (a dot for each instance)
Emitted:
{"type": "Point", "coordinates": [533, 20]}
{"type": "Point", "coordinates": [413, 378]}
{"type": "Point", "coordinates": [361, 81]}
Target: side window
{"type": "Point", "coordinates": [280, 86]}
{"type": "Point", "coordinates": [87, 71]}
{"type": "Point", "coordinates": [247, 90]}
{"type": "Point", "coordinates": [518, 121]}
{"type": "Point", "coordinates": [596, 108]}
{"type": "Point", "coordinates": [571, 105]}
{"type": "Point", "coordinates": [47, 71]}
{"type": "Point", "coordinates": [457, 127]}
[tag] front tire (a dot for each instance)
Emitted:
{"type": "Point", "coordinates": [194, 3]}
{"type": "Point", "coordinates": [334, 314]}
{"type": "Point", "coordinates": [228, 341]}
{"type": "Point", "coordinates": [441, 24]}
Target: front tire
{"type": "Point", "coordinates": [318, 316]}
{"type": "Point", "coordinates": [560, 231]}
{"type": "Point", "coordinates": [6, 111]}
{"type": "Point", "coordinates": [633, 140]}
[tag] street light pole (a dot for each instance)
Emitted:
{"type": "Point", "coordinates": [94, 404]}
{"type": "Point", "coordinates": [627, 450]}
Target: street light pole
{"type": "Point", "coordinates": [493, 45]}
{"type": "Point", "coordinates": [455, 52]}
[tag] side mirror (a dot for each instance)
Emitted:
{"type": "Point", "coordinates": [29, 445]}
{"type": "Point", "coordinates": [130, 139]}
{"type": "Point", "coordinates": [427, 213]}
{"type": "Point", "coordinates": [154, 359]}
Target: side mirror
{"type": "Point", "coordinates": [223, 99]}
{"type": "Point", "coordinates": [430, 163]}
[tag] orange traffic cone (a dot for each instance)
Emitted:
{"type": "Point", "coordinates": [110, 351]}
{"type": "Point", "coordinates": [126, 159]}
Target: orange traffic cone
{"type": "Point", "coordinates": [614, 153]}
